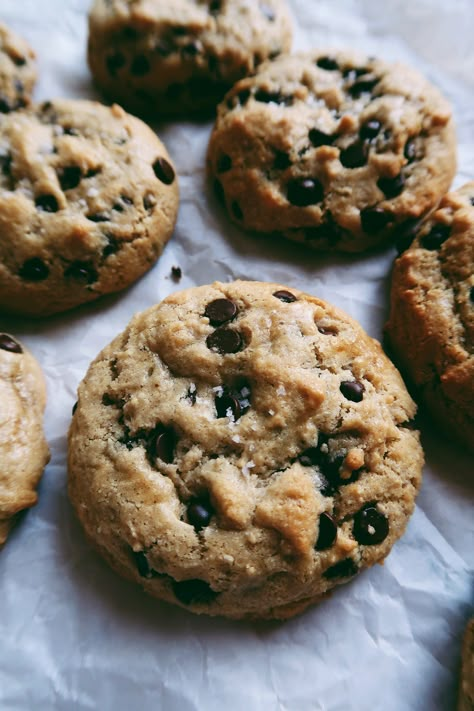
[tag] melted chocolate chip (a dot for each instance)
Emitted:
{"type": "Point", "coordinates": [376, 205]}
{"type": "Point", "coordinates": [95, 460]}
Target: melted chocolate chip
{"type": "Point", "coordinates": [438, 234]}
{"type": "Point", "coordinates": [18, 59]}
{"type": "Point", "coordinates": [355, 155]}
{"type": "Point", "coordinates": [82, 271]}
{"type": "Point", "coordinates": [282, 161]}
{"type": "Point", "coordinates": [6, 164]}
{"type": "Point", "coordinates": [99, 217]}
{"type": "Point", "coordinates": [319, 138]}
{"type": "Point", "coordinates": [199, 513]}
{"type": "Point", "coordinates": [391, 187]}
{"type": "Point", "coordinates": [370, 129]}
{"type": "Point", "coordinates": [220, 311]}
{"type": "Point", "coordinates": [69, 177]}
{"type": "Point", "coordinates": [34, 269]}
{"type": "Point", "coordinates": [114, 62]}
{"type": "Point", "coordinates": [410, 150]}
{"type": "Point", "coordinates": [268, 12]}
{"type": "Point", "coordinates": [286, 296]}
{"type": "Point", "coordinates": [236, 210]}
{"type": "Point", "coordinates": [224, 163]}
{"type": "Point", "coordinates": [233, 402]}
{"type": "Point", "coordinates": [352, 73]}
{"type": "Point", "coordinates": [163, 171]}
{"type": "Point", "coordinates": [112, 246]}
{"type": "Point", "coordinates": [109, 400]}
{"type": "Point", "coordinates": [193, 591]}
{"type": "Point", "coordinates": [275, 97]}
{"type": "Point", "coordinates": [352, 390]}
{"type": "Point", "coordinates": [327, 63]}
{"type": "Point", "coordinates": [374, 219]}
{"type": "Point", "coordinates": [370, 526]}
{"type": "Point", "coordinates": [7, 343]}
{"type": "Point", "coordinates": [142, 564]}
{"type": "Point", "coordinates": [243, 96]}
{"type": "Point", "coordinates": [405, 234]}
{"type": "Point", "coordinates": [302, 192]}
{"type": "Point", "coordinates": [344, 569]}
{"type": "Point", "coordinates": [215, 7]}
{"type": "Point", "coordinates": [363, 85]}
{"type": "Point", "coordinates": [224, 340]}
{"type": "Point", "coordinates": [161, 444]}
{"type": "Point", "coordinates": [47, 203]}
{"type": "Point", "coordinates": [219, 192]}
{"type": "Point", "coordinates": [140, 66]}
{"type": "Point", "coordinates": [327, 532]}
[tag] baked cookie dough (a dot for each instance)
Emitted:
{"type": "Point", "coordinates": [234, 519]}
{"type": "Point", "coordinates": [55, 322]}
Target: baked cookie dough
{"type": "Point", "coordinates": [17, 71]}
{"type": "Point", "coordinates": [431, 325]}
{"type": "Point", "coordinates": [23, 449]}
{"type": "Point", "coordinates": [88, 199]}
{"type": "Point", "coordinates": [172, 56]}
{"type": "Point", "coordinates": [466, 688]}
{"type": "Point", "coordinates": [333, 149]}
{"type": "Point", "coordinates": [242, 448]}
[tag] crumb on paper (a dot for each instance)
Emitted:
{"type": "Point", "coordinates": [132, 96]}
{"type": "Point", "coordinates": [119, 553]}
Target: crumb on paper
{"type": "Point", "coordinates": [176, 273]}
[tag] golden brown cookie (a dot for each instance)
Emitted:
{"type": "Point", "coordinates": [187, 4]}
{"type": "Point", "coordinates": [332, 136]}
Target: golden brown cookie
{"type": "Point", "coordinates": [466, 687]}
{"type": "Point", "coordinates": [17, 71]}
{"type": "Point", "coordinates": [242, 448]}
{"type": "Point", "coordinates": [23, 449]}
{"type": "Point", "coordinates": [336, 150]}
{"type": "Point", "coordinates": [431, 325]}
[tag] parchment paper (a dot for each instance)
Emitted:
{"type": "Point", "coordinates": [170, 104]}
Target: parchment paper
{"type": "Point", "coordinates": [73, 635]}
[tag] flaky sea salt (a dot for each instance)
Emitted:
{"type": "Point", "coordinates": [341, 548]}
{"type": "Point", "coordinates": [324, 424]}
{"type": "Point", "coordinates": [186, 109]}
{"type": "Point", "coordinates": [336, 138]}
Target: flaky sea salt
{"type": "Point", "coordinates": [92, 192]}
{"type": "Point", "coordinates": [271, 412]}
{"type": "Point", "coordinates": [236, 439]}
{"type": "Point", "coordinates": [281, 390]}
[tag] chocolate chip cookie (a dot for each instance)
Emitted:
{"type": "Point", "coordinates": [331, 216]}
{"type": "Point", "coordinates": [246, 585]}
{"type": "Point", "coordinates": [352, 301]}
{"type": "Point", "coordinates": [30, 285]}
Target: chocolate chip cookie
{"type": "Point", "coordinates": [23, 449]}
{"type": "Point", "coordinates": [466, 687]}
{"type": "Point", "coordinates": [242, 448]}
{"type": "Point", "coordinates": [17, 71]}
{"type": "Point", "coordinates": [336, 150]}
{"type": "Point", "coordinates": [173, 56]}
{"type": "Point", "coordinates": [431, 325]}
{"type": "Point", "coordinates": [88, 198]}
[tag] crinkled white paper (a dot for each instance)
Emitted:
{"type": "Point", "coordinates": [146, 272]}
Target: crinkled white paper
{"type": "Point", "coordinates": [73, 635]}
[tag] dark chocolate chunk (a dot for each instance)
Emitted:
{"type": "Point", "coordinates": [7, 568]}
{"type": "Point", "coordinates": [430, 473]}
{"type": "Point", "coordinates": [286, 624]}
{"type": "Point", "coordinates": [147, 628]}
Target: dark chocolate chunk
{"type": "Point", "coordinates": [327, 63]}
{"type": "Point", "coordinates": [233, 402]}
{"type": "Point", "coordinates": [391, 187]}
{"type": "Point", "coordinates": [374, 219]}
{"type": "Point", "coordinates": [355, 155]}
{"type": "Point", "coordinates": [353, 73]}
{"type": "Point", "coordinates": [220, 311]}
{"type": "Point", "coordinates": [191, 49]}
{"type": "Point", "coordinates": [215, 7]}
{"type": "Point", "coordinates": [370, 526]}
{"type": "Point", "coordinates": [362, 85]}
{"type": "Point", "coordinates": [224, 163]}
{"type": "Point", "coordinates": [410, 150]}
{"type": "Point", "coordinates": [161, 444]}
{"type": "Point", "coordinates": [129, 33]}
{"type": "Point", "coordinates": [276, 97]}
{"type": "Point", "coordinates": [18, 59]}
{"type": "Point", "coordinates": [236, 210]}
{"type": "Point", "coordinates": [99, 217]}
{"type": "Point", "coordinates": [114, 62]}
{"type": "Point", "coordinates": [142, 564]}
{"type": "Point", "coordinates": [405, 234]}
{"type": "Point", "coordinates": [69, 177]}
{"type": "Point", "coordinates": [352, 390]}
{"type": "Point", "coordinates": [327, 532]}
{"type": "Point", "coordinates": [286, 296]}
{"type": "Point", "coordinates": [7, 343]}
{"type": "Point", "coordinates": [82, 271]}
{"type": "Point", "coordinates": [219, 192]}
{"type": "Point", "coordinates": [47, 203]}
{"type": "Point", "coordinates": [438, 234]}
{"type": "Point", "coordinates": [282, 160]}
{"type": "Point", "coordinates": [6, 164]}
{"type": "Point", "coordinates": [344, 569]}
{"type": "Point", "coordinates": [370, 129]}
{"type": "Point", "coordinates": [305, 191]}
{"type": "Point", "coordinates": [243, 96]}
{"type": "Point", "coordinates": [140, 66]}
{"type": "Point", "coordinates": [34, 269]}
{"type": "Point", "coordinates": [112, 246]}
{"type": "Point", "coordinates": [471, 294]}
{"type": "Point", "coordinates": [5, 105]}
{"type": "Point", "coordinates": [320, 138]}
{"type": "Point", "coordinates": [193, 591]}
{"type": "Point", "coordinates": [224, 340]}
{"type": "Point", "coordinates": [164, 171]}
{"type": "Point", "coordinates": [199, 513]}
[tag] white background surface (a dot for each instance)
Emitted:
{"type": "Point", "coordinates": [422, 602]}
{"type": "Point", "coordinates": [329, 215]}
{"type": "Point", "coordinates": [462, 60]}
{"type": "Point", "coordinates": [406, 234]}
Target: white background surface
{"type": "Point", "coordinates": [75, 636]}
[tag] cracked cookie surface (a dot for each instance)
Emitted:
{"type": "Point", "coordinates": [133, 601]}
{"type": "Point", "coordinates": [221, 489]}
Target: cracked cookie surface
{"type": "Point", "coordinates": [23, 449]}
{"type": "Point", "coordinates": [431, 324]}
{"type": "Point", "coordinates": [17, 71]}
{"type": "Point", "coordinates": [242, 448]}
{"type": "Point", "coordinates": [88, 199]}
{"type": "Point", "coordinates": [333, 149]}
{"type": "Point", "coordinates": [171, 56]}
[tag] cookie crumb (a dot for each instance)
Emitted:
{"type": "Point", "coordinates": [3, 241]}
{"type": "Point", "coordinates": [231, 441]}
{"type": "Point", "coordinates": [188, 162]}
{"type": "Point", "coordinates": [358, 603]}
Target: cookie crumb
{"type": "Point", "coordinates": [176, 273]}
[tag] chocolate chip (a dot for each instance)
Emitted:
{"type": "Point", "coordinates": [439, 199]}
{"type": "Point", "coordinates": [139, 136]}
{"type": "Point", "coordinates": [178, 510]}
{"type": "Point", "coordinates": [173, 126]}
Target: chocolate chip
{"type": "Point", "coordinates": [310, 457]}
{"type": "Point", "coordinates": [70, 131]}
{"type": "Point", "coordinates": [224, 340]}
{"type": "Point", "coordinates": [114, 62]}
{"type": "Point", "coordinates": [327, 532]}
{"type": "Point", "coordinates": [74, 407]}
{"type": "Point", "coordinates": [320, 138]}
{"type": "Point", "coordinates": [193, 591]}
{"type": "Point", "coordinates": [149, 201]}
{"type": "Point", "coordinates": [47, 203]}
{"type": "Point", "coordinates": [363, 85]}
{"type": "Point", "coordinates": [140, 66]}
{"type": "Point", "coordinates": [224, 163]}
{"type": "Point", "coordinates": [370, 526]}
{"type": "Point", "coordinates": [328, 230]}
{"type": "Point", "coordinates": [374, 219]}
{"type": "Point", "coordinates": [176, 273]}
{"type": "Point", "coordinates": [18, 59]}
{"type": "Point", "coordinates": [438, 234]}
{"type": "Point", "coordinates": [410, 150]}
{"type": "Point", "coordinates": [328, 330]}
{"type": "Point", "coordinates": [191, 49]}
{"type": "Point", "coordinates": [286, 296]}
{"type": "Point", "coordinates": [405, 234]}
{"type": "Point", "coordinates": [163, 171]}
{"type": "Point", "coordinates": [355, 155]}
{"type": "Point", "coordinates": [82, 271]}
{"type": "Point", "coordinates": [391, 187]}
{"type": "Point", "coordinates": [472, 201]}
{"type": "Point", "coordinates": [142, 564]}
{"type": "Point", "coordinates": [352, 73]}
{"type": "Point", "coordinates": [243, 96]}
{"type": "Point", "coordinates": [327, 63]}
{"type": "Point", "coordinates": [199, 513]}
{"type": "Point", "coordinates": [275, 97]}
{"type": "Point", "coordinates": [34, 270]}
{"type": "Point", "coordinates": [282, 160]}
{"type": "Point", "coordinates": [219, 192]}
{"type": "Point", "coordinates": [220, 311]}
{"type": "Point", "coordinates": [108, 400]}
{"type": "Point", "coordinates": [129, 33]}
{"type": "Point", "coordinates": [370, 129]}
{"type": "Point", "coordinates": [226, 404]}
{"type": "Point", "coordinates": [236, 210]}
{"type": "Point", "coordinates": [69, 177]}
{"type": "Point", "coordinates": [471, 294]}
{"type": "Point", "coordinates": [268, 12]}
{"type": "Point", "coordinates": [344, 569]}
{"type": "Point", "coordinates": [352, 390]}
{"type": "Point", "coordinates": [305, 191]}
{"type": "Point", "coordinates": [215, 7]}
{"type": "Point", "coordinates": [112, 246]}
{"type": "Point", "coordinates": [6, 164]}
{"type": "Point", "coordinates": [164, 47]}
{"type": "Point", "coordinates": [7, 343]}
{"type": "Point", "coordinates": [99, 217]}
{"type": "Point", "coordinates": [161, 444]}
